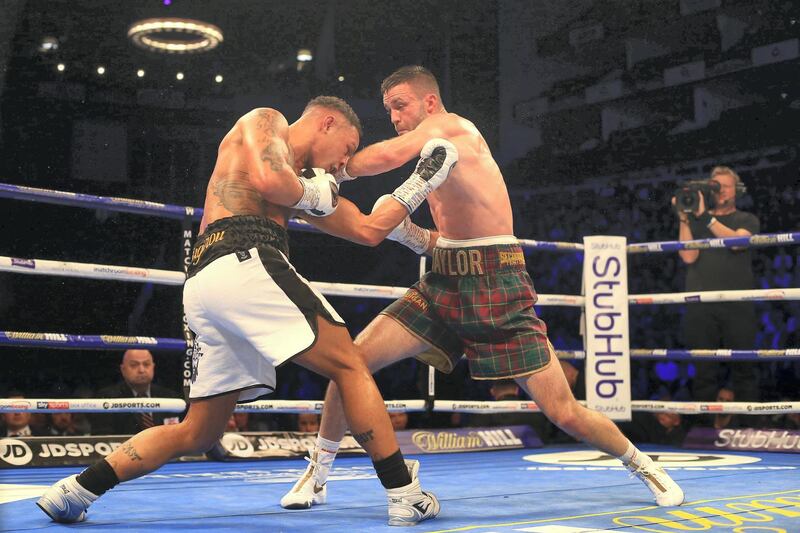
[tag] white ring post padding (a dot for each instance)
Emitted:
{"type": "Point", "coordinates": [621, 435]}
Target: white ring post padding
{"type": "Point", "coordinates": [172, 405]}
{"type": "Point", "coordinates": [686, 408]}
{"type": "Point", "coordinates": [715, 296]}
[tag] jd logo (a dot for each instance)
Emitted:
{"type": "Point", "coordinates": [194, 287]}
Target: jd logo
{"type": "Point", "coordinates": [15, 452]}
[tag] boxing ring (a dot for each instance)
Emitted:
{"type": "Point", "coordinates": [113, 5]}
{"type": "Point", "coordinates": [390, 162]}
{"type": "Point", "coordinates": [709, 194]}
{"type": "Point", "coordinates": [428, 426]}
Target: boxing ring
{"type": "Point", "coordinates": [568, 489]}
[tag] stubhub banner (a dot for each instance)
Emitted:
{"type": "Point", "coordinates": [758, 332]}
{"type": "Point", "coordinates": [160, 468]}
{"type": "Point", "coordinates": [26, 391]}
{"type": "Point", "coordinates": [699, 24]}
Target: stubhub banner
{"type": "Point", "coordinates": [605, 277]}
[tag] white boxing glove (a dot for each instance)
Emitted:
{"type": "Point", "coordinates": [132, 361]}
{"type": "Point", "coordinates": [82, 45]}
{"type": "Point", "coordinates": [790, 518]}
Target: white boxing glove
{"type": "Point", "coordinates": [320, 192]}
{"type": "Point", "coordinates": [407, 233]}
{"type": "Point", "coordinates": [437, 158]}
{"type": "Point", "coordinates": [342, 175]}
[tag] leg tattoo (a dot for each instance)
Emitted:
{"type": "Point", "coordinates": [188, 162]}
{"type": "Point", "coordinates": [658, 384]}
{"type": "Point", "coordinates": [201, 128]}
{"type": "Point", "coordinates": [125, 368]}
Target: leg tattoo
{"type": "Point", "coordinates": [363, 438]}
{"type": "Point", "coordinates": [131, 452]}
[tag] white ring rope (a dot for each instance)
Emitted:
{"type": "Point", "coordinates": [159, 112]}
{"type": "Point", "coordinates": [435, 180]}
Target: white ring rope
{"type": "Point", "coordinates": [754, 295]}
{"type": "Point", "coordinates": [173, 405]}
{"type": "Point", "coordinates": [663, 353]}
{"type": "Point", "coordinates": [169, 277]}
{"type": "Point", "coordinates": [745, 408]}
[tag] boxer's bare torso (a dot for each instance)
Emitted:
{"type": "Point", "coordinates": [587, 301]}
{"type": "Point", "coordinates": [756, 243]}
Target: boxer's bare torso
{"type": "Point", "coordinates": [473, 202]}
{"type": "Point", "coordinates": [232, 189]}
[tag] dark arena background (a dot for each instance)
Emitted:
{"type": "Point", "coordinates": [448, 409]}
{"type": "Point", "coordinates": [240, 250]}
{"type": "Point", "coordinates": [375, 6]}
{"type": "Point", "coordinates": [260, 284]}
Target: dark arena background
{"type": "Point", "coordinates": [598, 113]}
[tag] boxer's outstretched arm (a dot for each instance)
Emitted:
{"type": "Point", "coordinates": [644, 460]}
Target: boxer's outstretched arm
{"type": "Point", "coordinates": [393, 153]}
{"type": "Point", "coordinates": [348, 222]}
{"type": "Point", "coordinates": [269, 157]}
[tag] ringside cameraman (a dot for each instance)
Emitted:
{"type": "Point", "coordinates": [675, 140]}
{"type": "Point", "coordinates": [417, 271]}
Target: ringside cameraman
{"type": "Point", "coordinates": [728, 325]}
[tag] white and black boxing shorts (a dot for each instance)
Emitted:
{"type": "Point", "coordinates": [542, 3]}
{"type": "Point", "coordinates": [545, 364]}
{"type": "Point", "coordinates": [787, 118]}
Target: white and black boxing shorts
{"type": "Point", "coordinates": [248, 307]}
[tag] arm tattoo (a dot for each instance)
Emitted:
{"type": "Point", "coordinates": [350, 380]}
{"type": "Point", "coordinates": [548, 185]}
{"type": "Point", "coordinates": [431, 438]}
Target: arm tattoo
{"type": "Point", "coordinates": [274, 156]}
{"type": "Point", "coordinates": [277, 154]}
{"type": "Point", "coordinates": [131, 452]}
{"type": "Point", "coordinates": [266, 121]}
{"type": "Point", "coordinates": [363, 438]}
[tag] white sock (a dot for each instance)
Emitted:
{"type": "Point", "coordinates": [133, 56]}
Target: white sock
{"type": "Point", "coordinates": [634, 456]}
{"type": "Point", "coordinates": [324, 454]}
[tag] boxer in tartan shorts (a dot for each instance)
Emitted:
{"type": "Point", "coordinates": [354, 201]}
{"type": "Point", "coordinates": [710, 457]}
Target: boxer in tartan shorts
{"type": "Point", "coordinates": [477, 301]}
{"type": "Point", "coordinates": [478, 298]}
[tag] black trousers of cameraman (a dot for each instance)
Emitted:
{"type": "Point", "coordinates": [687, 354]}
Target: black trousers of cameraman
{"type": "Point", "coordinates": [726, 325]}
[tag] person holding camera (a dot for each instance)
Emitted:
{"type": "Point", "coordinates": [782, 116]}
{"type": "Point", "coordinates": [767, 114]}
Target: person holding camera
{"type": "Point", "coordinates": [708, 210]}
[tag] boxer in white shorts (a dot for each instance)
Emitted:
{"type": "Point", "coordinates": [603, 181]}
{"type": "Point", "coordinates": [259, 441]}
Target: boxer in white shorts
{"type": "Point", "coordinates": [251, 311]}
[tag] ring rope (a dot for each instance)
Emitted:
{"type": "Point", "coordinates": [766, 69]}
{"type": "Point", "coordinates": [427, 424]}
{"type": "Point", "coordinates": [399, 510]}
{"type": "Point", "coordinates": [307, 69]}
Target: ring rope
{"type": "Point", "coordinates": [145, 207]}
{"type": "Point", "coordinates": [170, 277]}
{"type": "Point", "coordinates": [693, 408]}
{"type": "Point", "coordinates": [550, 245]}
{"type": "Point", "coordinates": [761, 240]}
{"type": "Point", "coordinates": [754, 295]}
{"type": "Point", "coordinates": [121, 342]}
{"type": "Point", "coordinates": [45, 267]}
{"type": "Point", "coordinates": [114, 203]}
{"type": "Point", "coordinates": [176, 405]}
{"type": "Point", "coordinates": [686, 355]}
{"type": "Point", "coordinates": [88, 342]}
{"type": "Point", "coordinates": [173, 405]}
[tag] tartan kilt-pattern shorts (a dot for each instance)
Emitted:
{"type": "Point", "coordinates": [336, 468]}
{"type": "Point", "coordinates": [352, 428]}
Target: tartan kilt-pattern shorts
{"type": "Point", "coordinates": [478, 301]}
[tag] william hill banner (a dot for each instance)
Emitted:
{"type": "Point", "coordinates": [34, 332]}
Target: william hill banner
{"type": "Point", "coordinates": [417, 441]}
{"type": "Point", "coordinates": [62, 451]}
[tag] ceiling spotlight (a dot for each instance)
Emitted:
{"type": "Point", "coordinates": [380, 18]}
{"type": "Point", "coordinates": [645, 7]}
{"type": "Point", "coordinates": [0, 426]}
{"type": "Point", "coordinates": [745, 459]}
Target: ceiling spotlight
{"type": "Point", "coordinates": [175, 35]}
{"type": "Point", "coordinates": [218, 78]}
{"type": "Point", "coordinates": [101, 70]}
{"type": "Point", "coordinates": [179, 76]}
{"type": "Point", "coordinates": [304, 54]}
{"type": "Point", "coordinates": [61, 67]}
{"type": "Point", "coordinates": [341, 78]}
{"type": "Point", "coordinates": [140, 73]}
{"type": "Point", "coordinates": [48, 44]}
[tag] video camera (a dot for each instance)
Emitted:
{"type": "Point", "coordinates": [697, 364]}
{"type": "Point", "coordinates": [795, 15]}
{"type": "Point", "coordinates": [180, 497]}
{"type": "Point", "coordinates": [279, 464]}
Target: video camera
{"type": "Point", "coordinates": [687, 200]}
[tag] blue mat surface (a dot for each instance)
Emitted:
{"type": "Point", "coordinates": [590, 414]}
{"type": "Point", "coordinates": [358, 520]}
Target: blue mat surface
{"type": "Point", "coordinates": [552, 490]}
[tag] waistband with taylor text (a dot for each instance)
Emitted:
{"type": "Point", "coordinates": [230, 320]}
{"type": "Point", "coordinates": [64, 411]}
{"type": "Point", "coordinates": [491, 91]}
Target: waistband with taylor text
{"type": "Point", "coordinates": [478, 260]}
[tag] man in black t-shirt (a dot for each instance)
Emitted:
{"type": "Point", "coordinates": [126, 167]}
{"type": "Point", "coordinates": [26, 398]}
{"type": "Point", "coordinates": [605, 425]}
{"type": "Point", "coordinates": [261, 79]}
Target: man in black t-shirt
{"type": "Point", "coordinates": [728, 325]}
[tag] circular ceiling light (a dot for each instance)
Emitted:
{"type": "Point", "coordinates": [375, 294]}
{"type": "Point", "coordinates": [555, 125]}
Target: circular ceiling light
{"type": "Point", "coordinates": [175, 35]}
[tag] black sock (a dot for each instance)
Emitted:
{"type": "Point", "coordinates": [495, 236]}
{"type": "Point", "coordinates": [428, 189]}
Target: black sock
{"type": "Point", "coordinates": [98, 478]}
{"type": "Point", "coordinates": [392, 471]}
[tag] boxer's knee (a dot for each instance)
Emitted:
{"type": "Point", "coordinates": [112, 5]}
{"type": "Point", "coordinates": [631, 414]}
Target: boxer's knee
{"type": "Point", "coordinates": [197, 437]}
{"type": "Point", "coordinates": [567, 417]}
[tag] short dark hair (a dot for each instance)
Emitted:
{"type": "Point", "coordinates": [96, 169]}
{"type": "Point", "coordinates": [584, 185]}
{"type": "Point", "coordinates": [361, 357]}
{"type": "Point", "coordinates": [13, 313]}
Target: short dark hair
{"type": "Point", "coordinates": [410, 73]}
{"type": "Point", "coordinates": [337, 104]}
